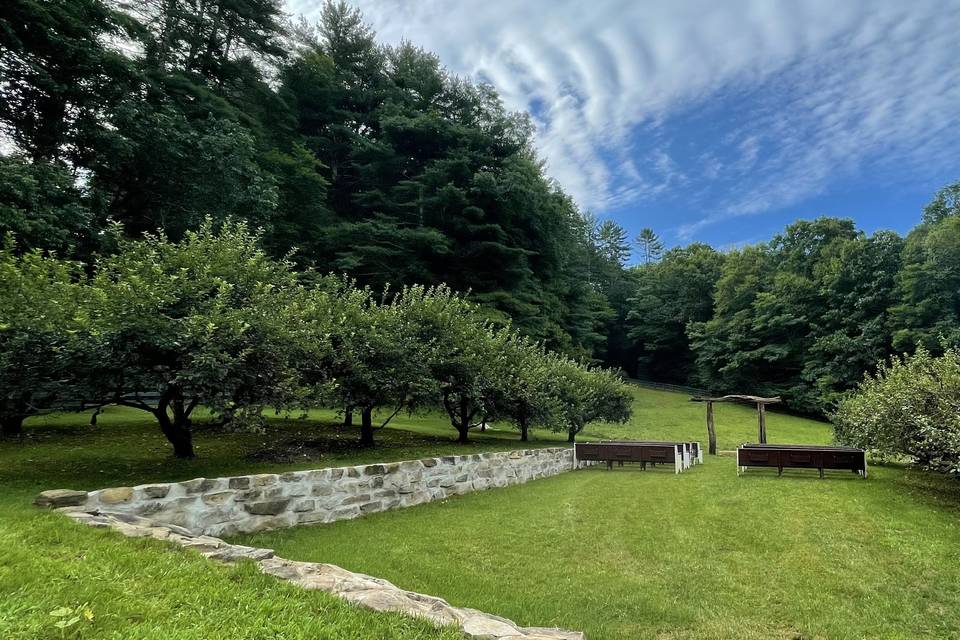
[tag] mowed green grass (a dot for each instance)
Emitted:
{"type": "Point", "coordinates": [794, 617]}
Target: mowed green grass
{"type": "Point", "coordinates": [619, 554]}
{"type": "Point", "coordinates": [704, 555]}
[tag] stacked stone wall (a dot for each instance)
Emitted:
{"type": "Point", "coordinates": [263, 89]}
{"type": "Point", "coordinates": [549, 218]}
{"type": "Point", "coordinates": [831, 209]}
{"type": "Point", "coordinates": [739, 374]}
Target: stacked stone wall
{"type": "Point", "coordinates": [246, 504]}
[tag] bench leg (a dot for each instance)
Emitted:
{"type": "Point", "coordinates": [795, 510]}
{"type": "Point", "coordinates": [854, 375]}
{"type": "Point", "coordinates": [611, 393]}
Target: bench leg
{"type": "Point", "coordinates": [643, 466]}
{"type": "Point", "coordinates": [609, 465]}
{"type": "Point", "coordinates": [779, 471]}
{"type": "Point", "coordinates": [821, 473]}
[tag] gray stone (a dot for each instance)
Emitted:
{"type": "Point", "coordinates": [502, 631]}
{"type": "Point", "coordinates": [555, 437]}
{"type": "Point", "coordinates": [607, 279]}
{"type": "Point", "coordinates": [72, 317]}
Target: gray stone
{"type": "Point", "coordinates": [304, 505]}
{"type": "Point", "coordinates": [264, 479]}
{"type": "Point", "coordinates": [199, 485]}
{"type": "Point", "coordinates": [243, 496]}
{"type": "Point", "coordinates": [322, 490]}
{"type": "Point", "coordinates": [429, 462]}
{"type": "Point", "coordinates": [311, 517]}
{"type": "Point", "coordinates": [116, 495]}
{"type": "Point", "coordinates": [374, 470]}
{"type": "Point", "coordinates": [217, 498]}
{"type": "Point", "coordinates": [128, 518]}
{"type": "Point", "coordinates": [344, 513]}
{"type": "Point", "coordinates": [60, 498]}
{"type": "Point", "coordinates": [239, 483]}
{"type": "Point", "coordinates": [371, 506]}
{"type": "Point", "coordinates": [485, 626]}
{"type": "Point", "coordinates": [363, 497]}
{"type": "Point", "coordinates": [154, 491]}
{"type": "Point", "coordinates": [236, 552]}
{"type": "Point", "coordinates": [267, 507]}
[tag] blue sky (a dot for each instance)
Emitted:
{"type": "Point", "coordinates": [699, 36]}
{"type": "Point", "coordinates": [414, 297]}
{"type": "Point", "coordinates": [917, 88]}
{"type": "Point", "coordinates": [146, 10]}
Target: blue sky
{"type": "Point", "coordinates": [718, 122]}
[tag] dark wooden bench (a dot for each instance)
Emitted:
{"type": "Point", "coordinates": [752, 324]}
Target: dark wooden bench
{"type": "Point", "coordinates": [642, 452]}
{"type": "Point", "coordinates": [692, 451]}
{"type": "Point", "coordinates": [801, 456]}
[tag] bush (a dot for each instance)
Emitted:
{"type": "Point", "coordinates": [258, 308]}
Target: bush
{"type": "Point", "coordinates": [910, 407]}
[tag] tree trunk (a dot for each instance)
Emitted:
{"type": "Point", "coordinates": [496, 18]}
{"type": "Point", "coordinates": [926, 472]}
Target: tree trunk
{"type": "Point", "coordinates": [571, 436]}
{"type": "Point", "coordinates": [524, 429]}
{"type": "Point", "coordinates": [348, 417]}
{"type": "Point", "coordinates": [711, 432]}
{"type": "Point", "coordinates": [11, 426]}
{"type": "Point", "coordinates": [177, 430]}
{"type": "Point", "coordinates": [463, 428]}
{"type": "Point", "coordinates": [366, 427]}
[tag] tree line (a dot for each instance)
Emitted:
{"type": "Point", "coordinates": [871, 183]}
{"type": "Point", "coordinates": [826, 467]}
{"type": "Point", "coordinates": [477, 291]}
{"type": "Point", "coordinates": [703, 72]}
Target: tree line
{"type": "Point", "coordinates": [373, 161]}
{"type": "Point", "coordinates": [805, 315]}
{"type": "Point", "coordinates": [376, 163]}
{"type": "Point", "coordinates": [212, 321]}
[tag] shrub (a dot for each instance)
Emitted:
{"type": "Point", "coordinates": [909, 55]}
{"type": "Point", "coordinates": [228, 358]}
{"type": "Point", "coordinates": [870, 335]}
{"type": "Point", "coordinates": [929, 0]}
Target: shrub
{"type": "Point", "coordinates": [910, 407]}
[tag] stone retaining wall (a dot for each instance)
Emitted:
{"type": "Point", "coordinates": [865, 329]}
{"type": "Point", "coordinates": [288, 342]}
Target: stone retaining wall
{"type": "Point", "coordinates": [189, 514]}
{"type": "Point", "coordinates": [245, 504]}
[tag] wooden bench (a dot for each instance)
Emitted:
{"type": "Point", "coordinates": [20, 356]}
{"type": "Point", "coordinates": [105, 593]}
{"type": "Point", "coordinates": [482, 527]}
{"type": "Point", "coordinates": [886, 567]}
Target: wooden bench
{"type": "Point", "coordinates": [801, 456]}
{"type": "Point", "coordinates": [679, 454]}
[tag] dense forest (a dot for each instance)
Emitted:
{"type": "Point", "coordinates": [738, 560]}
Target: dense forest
{"type": "Point", "coordinates": [376, 163]}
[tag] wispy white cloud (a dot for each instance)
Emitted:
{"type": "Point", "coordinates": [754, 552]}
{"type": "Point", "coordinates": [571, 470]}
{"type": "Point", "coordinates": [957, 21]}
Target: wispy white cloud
{"type": "Point", "coordinates": [823, 89]}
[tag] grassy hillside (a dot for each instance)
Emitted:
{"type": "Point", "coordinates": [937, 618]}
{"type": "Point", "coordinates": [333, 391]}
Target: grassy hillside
{"type": "Point", "coordinates": [139, 589]}
{"type": "Point", "coordinates": [627, 555]}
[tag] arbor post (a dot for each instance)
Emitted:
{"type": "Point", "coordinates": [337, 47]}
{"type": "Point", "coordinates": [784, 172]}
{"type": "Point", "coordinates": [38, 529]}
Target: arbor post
{"type": "Point", "coordinates": [762, 422]}
{"type": "Point", "coordinates": [711, 431]}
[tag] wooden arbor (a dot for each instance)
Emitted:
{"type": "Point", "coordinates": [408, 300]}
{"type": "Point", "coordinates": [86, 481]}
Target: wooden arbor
{"type": "Point", "coordinates": [761, 415]}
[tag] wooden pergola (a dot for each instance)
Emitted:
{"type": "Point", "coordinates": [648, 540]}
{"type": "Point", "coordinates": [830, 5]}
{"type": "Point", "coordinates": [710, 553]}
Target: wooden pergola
{"type": "Point", "coordinates": [761, 414]}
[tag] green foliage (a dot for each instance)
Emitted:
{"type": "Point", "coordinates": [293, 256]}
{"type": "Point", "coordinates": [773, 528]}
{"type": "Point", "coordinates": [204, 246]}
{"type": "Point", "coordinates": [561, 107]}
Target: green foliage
{"type": "Point", "coordinates": [372, 160]}
{"type": "Point", "coordinates": [651, 248]}
{"type": "Point", "coordinates": [41, 332]}
{"type": "Point", "coordinates": [211, 320]}
{"type": "Point", "coordinates": [797, 316]}
{"type": "Point", "coordinates": [929, 286]}
{"type": "Point", "coordinates": [62, 70]}
{"type": "Point", "coordinates": [669, 295]}
{"type": "Point", "coordinates": [42, 207]}
{"type": "Point", "coordinates": [587, 395]}
{"type": "Point", "coordinates": [910, 407]}
{"type": "Point", "coordinates": [376, 163]}
{"type": "Point", "coordinates": [945, 203]}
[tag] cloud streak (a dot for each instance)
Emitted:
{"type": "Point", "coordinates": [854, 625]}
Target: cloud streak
{"type": "Point", "coordinates": [625, 94]}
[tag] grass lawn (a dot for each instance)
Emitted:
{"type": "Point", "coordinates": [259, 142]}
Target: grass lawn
{"type": "Point", "coordinates": [619, 555]}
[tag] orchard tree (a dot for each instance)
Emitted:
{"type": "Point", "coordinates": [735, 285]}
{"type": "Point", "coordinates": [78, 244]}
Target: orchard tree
{"type": "Point", "coordinates": [42, 330]}
{"type": "Point", "coordinates": [208, 321]}
{"type": "Point", "coordinates": [462, 352]}
{"type": "Point", "coordinates": [588, 395]}
{"type": "Point", "coordinates": [378, 357]}
{"type": "Point", "coordinates": [525, 393]}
